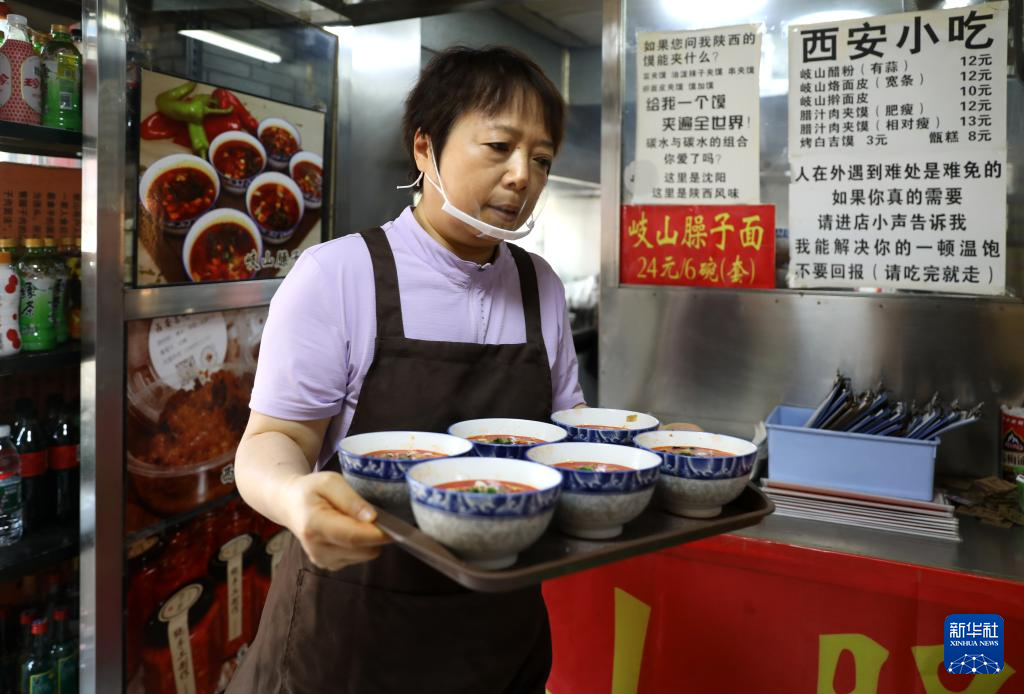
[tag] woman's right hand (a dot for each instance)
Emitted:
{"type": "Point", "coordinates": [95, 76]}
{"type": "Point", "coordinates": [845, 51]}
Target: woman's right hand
{"type": "Point", "coordinates": [332, 522]}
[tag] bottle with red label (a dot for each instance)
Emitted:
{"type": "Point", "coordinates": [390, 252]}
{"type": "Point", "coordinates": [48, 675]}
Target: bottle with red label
{"type": "Point", "coordinates": [21, 82]}
{"type": "Point", "coordinates": [33, 449]}
{"type": "Point", "coordinates": [63, 457]}
{"type": "Point", "coordinates": [38, 673]}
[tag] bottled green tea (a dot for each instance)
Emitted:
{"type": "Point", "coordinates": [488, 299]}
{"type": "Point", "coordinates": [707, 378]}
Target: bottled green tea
{"type": "Point", "coordinates": [38, 289]}
{"type": "Point", "coordinates": [62, 77]}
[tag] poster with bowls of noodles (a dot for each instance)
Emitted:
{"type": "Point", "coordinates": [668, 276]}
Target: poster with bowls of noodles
{"type": "Point", "coordinates": [231, 186]}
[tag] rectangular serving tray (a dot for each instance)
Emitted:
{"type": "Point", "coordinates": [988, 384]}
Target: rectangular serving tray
{"type": "Point", "coordinates": [555, 554]}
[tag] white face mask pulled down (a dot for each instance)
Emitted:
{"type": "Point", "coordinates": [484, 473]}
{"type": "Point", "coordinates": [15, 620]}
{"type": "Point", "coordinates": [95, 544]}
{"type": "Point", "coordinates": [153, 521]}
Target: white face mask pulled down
{"type": "Point", "coordinates": [483, 228]}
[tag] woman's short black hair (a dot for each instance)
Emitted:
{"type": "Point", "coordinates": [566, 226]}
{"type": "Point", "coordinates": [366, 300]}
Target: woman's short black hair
{"type": "Point", "coordinates": [460, 79]}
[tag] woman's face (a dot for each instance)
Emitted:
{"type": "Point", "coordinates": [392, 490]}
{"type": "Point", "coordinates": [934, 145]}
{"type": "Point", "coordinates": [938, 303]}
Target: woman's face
{"type": "Point", "coordinates": [493, 167]}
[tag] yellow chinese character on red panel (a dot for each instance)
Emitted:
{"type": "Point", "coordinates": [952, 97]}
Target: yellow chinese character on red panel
{"type": "Point", "coordinates": [738, 273]}
{"type": "Point", "coordinates": [723, 228]}
{"type": "Point", "coordinates": [709, 270]}
{"type": "Point", "coordinates": [752, 233]}
{"type": "Point", "coordinates": [667, 236]}
{"type": "Point", "coordinates": [669, 269]}
{"type": "Point", "coordinates": [695, 234]}
{"type": "Point", "coordinates": [638, 229]}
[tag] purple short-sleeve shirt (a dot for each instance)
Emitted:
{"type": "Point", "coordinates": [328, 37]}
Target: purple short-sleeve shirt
{"type": "Point", "coordinates": [319, 337]}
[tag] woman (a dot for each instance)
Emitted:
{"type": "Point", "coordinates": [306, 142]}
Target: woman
{"type": "Point", "coordinates": [431, 320]}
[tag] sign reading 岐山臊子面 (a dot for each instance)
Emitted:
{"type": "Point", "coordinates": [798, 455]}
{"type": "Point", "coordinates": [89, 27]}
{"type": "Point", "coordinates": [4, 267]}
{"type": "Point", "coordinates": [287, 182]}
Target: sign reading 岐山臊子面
{"type": "Point", "coordinates": [897, 152]}
{"type": "Point", "coordinates": [697, 117]}
{"type": "Point", "coordinates": [973, 644]}
{"type": "Point", "coordinates": [729, 246]}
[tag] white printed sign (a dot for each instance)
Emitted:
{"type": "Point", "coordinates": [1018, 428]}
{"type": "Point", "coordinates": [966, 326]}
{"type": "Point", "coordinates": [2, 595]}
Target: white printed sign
{"type": "Point", "coordinates": [897, 132]}
{"type": "Point", "coordinates": [697, 124]}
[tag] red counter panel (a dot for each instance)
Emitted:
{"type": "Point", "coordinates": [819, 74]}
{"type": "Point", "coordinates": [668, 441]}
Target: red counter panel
{"type": "Point", "coordinates": [730, 615]}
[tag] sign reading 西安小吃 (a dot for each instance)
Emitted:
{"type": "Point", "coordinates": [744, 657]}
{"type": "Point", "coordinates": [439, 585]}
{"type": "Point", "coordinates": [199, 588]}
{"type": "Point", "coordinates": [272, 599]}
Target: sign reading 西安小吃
{"type": "Point", "coordinates": [897, 149]}
{"type": "Point", "coordinates": [698, 245]}
{"type": "Point", "coordinates": [697, 116]}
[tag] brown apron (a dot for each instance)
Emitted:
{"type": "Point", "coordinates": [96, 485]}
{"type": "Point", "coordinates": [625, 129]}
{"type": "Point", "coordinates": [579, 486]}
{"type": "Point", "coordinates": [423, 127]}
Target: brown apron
{"type": "Point", "coordinates": [395, 625]}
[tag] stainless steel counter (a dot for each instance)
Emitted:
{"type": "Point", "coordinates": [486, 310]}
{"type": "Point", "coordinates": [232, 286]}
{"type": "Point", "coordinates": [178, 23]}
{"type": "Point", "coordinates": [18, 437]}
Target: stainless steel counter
{"type": "Point", "coordinates": [986, 550]}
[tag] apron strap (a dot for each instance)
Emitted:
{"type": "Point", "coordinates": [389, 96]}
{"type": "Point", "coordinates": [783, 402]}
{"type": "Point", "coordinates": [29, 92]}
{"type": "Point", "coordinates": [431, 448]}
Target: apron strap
{"type": "Point", "coordinates": [385, 274]}
{"type": "Point", "coordinates": [531, 294]}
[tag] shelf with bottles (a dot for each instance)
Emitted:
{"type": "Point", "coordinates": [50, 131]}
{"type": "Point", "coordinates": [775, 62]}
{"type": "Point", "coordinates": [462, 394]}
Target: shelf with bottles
{"type": "Point", "coordinates": [48, 68]}
{"type": "Point", "coordinates": [39, 484]}
{"type": "Point", "coordinates": [40, 303]}
{"type": "Point", "coordinates": [49, 600]}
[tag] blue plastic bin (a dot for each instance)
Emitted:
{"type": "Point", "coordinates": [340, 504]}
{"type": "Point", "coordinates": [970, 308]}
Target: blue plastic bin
{"type": "Point", "coordinates": [883, 465]}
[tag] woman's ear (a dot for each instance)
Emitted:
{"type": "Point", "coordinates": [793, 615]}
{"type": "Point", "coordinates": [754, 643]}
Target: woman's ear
{"type": "Point", "coordinates": [421, 151]}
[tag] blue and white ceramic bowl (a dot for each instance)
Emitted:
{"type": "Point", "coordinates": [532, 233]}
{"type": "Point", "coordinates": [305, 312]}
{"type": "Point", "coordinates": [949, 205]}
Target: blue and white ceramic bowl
{"type": "Point", "coordinates": [382, 480]}
{"type": "Point", "coordinates": [583, 424]}
{"type": "Point", "coordinates": [739, 458]}
{"type": "Point", "coordinates": [698, 486]}
{"type": "Point", "coordinates": [547, 433]}
{"type": "Point", "coordinates": [487, 530]}
{"type": "Point", "coordinates": [595, 504]}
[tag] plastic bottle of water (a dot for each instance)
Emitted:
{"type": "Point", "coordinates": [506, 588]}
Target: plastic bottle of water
{"type": "Point", "coordinates": [10, 490]}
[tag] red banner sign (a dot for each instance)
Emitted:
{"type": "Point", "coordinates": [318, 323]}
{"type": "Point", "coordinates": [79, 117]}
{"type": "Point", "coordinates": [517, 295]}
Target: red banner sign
{"type": "Point", "coordinates": [732, 615]}
{"type": "Point", "coordinates": [698, 245]}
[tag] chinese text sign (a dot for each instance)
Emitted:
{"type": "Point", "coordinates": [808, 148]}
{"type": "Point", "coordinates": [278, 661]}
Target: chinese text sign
{"type": "Point", "coordinates": [897, 132]}
{"type": "Point", "coordinates": [698, 245]}
{"type": "Point", "coordinates": [697, 116]}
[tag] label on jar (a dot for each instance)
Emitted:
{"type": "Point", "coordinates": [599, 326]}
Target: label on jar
{"type": "Point", "coordinates": [140, 547]}
{"type": "Point", "coordinates": [34, 464]}
{"type": "Point", "coordinates": [64, 457]}
{"type": "Point", "coordinates": [175, 614]}
{"type": "Point", "coordinates": [183, 348]}
{"type": "Point", "coordinates": [232, 552]}
{"type": "Point", "coordinates": [275, 548]}
{"type": "Point", "coordinates": [43, 683]}
{"type": "Point", "coordinates": [10, 495]}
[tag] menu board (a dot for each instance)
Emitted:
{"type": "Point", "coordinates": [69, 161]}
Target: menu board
{"type": "Point", "coordinates": [231, 185]}
{"type": "Point", "coordinates": [697, 118]}
{"type": "Point", "coordinates": [40, 201]}
{"type": "Point", "coordinates": [897, 147]}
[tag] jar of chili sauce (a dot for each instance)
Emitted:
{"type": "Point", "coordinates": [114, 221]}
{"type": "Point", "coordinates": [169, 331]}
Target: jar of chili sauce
{"type": "Point", "coordinates": [141, 600]}
{"type": "Point", "coordinates": [270, 557]}
{"type": "Point", "coordinates": [183, 642]}
{"type": "Point", "coordinates": [234, 520]}
{"type": "Point", "coordinates": [233, 570]}
{"type": "Point", "coordinates": [182, 561]}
